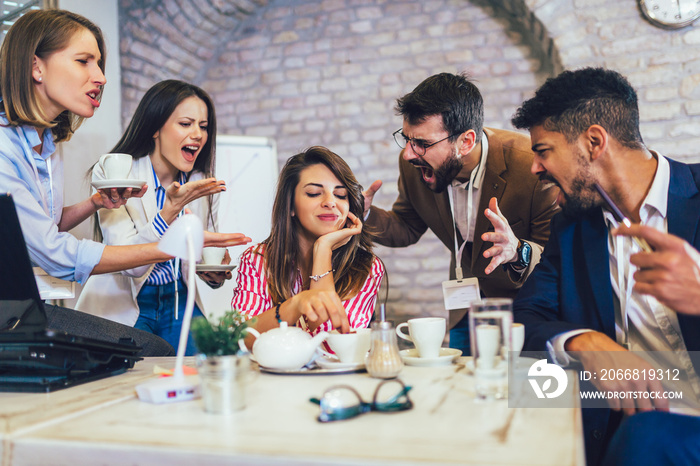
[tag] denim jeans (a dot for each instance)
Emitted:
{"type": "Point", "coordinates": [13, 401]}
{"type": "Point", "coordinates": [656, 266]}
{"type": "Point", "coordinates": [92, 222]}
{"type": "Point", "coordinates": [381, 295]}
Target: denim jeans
{"type": "Point", "coordinates": [459, 336]}
{"type": "Point", "coordinates": [157, 313]}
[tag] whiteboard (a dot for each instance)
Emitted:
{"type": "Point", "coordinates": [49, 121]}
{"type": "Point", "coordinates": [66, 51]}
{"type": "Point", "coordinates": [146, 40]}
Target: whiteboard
{"type": "Point", "coordinates": [249, 166]}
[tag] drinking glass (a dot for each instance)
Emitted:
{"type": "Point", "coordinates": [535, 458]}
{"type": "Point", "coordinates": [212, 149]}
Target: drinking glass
{"type": "Point", "coordinates": [490, 323]}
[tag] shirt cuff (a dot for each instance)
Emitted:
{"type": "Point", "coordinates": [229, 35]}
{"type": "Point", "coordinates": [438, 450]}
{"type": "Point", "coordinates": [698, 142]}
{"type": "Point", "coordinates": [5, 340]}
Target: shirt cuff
{"type": "Point", "coordinates": [364, 219]}
{"type": "Point", "coordinates": [555, 347]}
{"type": "Point", "coordinates": [89, 255]}
{"type": "Point", "coordinates": [159, 225]}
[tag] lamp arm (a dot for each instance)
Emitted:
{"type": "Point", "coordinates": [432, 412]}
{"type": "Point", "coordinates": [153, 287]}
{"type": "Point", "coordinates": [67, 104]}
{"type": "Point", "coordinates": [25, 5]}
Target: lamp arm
{"type": "Point", "coordinates": [189, 309]}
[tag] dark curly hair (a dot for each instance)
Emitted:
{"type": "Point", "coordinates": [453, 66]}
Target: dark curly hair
{"type": "Point", "coordinates": [575, 100]}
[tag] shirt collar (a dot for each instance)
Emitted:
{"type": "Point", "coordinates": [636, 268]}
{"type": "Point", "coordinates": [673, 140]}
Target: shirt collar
{"type": "Point", "coordinates": [33, 139]}
{"type": "Point", "coordinates": [156, 181]}
{"type": "Point", "coordinates": [480, 169]}
{"type": "Point", "coordinates": [657, 197]}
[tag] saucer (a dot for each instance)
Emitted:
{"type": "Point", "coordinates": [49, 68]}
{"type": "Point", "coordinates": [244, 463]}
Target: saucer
{"type": "Point", "coordinates": [328, 363]}
{"type": "Point", "coordinates": [214, 267]}
{"type": "Point", "coordinates": [447, 356]}
{"type": "Point", "coordinates": [109, 184]}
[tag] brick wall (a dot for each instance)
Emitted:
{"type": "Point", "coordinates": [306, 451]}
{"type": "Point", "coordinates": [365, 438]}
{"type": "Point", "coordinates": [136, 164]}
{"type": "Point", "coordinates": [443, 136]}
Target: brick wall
{"type": "Point", "coordinates": [328, 73]}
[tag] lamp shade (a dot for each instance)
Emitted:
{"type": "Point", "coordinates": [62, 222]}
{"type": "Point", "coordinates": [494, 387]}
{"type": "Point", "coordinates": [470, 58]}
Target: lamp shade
{"type": "Point", "coordinates": [175, 238]}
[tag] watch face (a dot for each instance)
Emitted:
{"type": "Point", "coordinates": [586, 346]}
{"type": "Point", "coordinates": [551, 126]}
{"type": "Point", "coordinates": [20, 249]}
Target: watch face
{"type": "Point", "coordinates": [526, 253]}
{"type": "Point", "coordinates": [670, 14]}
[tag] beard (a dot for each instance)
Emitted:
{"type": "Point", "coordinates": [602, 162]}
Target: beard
{"type": "Point", "coordinates": [582, 197]}
{"type": "Point", "coordinates": [444, 174]}
{"type": "Point", "coordinates": [447, 172]}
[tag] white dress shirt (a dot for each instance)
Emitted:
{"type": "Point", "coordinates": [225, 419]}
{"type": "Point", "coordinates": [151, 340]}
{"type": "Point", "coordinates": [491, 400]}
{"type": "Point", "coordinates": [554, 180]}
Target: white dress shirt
{"type": "Point", "coordinates": [465, 222]}
{"type": "Point", "coordinates": [645, 325]}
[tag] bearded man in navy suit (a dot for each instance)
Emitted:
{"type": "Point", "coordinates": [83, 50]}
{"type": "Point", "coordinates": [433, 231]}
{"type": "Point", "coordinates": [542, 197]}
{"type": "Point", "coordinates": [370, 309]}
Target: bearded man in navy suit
{"type": "Point", "coordinates": [580, 299]}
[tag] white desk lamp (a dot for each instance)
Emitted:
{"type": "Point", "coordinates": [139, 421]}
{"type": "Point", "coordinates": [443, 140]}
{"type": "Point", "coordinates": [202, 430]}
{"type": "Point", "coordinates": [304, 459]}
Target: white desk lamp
{"type": "Point", "coordinates": [183, 239]}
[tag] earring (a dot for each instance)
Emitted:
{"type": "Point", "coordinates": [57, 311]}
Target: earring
{"type": "Point", "coordinates": [40, 78]}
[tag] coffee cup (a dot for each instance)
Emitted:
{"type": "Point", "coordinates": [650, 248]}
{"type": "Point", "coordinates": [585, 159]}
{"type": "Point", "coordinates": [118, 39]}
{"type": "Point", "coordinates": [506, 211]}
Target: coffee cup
{"type": "Point", "coordinates": [351, 348]}
{"type": "Point", "coordinates": [117, 166]}
{"type": "Point", "coordinates": [213, 256]}
{"type": "Point", "coordinates": [426, 333]}
{"type": "Point", "coordinates": [517, 338]}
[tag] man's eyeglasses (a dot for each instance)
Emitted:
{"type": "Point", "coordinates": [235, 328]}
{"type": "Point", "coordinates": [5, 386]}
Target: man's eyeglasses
{"type": "Point", "coordinates": [343, 402]}
{"type": "Point", "coordinates": [418, 146]}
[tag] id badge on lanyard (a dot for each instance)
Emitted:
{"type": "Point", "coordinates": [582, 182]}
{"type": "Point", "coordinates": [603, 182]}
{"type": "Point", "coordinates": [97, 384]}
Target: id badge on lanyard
{"type": "Point", "coordinates": [461, 292]}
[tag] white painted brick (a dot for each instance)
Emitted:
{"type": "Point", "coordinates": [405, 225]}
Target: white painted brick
{"type": "Point", "coordinates": [661, 94]}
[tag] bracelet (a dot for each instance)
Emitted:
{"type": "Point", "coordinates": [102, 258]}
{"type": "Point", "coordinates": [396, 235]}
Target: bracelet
{"type": "Point", "coordinates": [318, 277]}
{"type": "Point", "coordinates": [277, 313]}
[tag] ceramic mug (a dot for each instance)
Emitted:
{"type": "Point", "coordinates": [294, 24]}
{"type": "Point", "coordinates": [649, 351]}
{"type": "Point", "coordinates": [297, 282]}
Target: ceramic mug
{"type": "Point", "coordinates": [117, 166]}
{"type": "Point", "coordinates": [351, 348]}
{"type": "Point", "coordinates": [213, 256]}
{"type": "Point", "coordinates": [426, 333]}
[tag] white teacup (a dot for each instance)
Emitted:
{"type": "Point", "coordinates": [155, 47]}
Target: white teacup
{"type": "Point", "coordinates": [426, 333]}
{"type": "Point", "coordinates": [213, 256]}
{"type": "Point", "coordinates": [117, 166]}
{"type": "Point", "coordinates": [517, 338]}
{"type": "Point", "coordinates": [352, 347]}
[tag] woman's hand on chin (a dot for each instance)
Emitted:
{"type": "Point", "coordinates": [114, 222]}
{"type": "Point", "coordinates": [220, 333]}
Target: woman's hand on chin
{"type": "Point", "coordinates": [338, 238]}
{"type": "Point", "coordinates": [319, 306]}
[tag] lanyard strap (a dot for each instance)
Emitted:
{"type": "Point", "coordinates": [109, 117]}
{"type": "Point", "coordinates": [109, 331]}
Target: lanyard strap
{"type": "Point", "coordinates": [470, 216]}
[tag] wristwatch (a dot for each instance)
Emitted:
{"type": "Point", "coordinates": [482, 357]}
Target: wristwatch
{"type": "Point", "coordinates": [523, 255]}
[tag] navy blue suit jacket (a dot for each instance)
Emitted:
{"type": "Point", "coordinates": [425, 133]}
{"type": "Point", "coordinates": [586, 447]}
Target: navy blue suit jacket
{"type": "Point", "coordinates": [570, 288]}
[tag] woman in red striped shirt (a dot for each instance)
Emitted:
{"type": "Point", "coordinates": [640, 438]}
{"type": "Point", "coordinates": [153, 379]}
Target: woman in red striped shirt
{"type": "Point", "coordinates": [316, 268]}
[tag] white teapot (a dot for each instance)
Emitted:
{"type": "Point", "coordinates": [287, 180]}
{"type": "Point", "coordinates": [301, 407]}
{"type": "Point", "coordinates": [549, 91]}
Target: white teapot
{"type": "Point", "coordinates": [284, 348]}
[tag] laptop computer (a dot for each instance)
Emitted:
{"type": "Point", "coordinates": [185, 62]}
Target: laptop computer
{"type": "Point", "coordinates": [34, 358]}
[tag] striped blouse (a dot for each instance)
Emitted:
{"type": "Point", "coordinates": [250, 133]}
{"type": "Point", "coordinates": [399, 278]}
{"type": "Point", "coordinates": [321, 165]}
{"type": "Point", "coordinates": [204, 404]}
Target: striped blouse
{"type": "Point", "coordinates": [168, 271]}
{"type": "Point", "coordinates": [251, 296]}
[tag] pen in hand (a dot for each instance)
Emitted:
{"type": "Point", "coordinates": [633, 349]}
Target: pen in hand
{"type": "Point", "coordinates": [620, 217]}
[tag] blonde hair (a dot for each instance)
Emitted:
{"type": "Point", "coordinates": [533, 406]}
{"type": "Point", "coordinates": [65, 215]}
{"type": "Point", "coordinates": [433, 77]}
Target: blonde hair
{"type": "Point", "coordinates": [39, 33]}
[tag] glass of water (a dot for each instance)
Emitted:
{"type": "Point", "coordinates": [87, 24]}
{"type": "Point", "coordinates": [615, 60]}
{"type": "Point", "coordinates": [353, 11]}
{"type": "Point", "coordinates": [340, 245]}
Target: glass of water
{"type": "Point", "coordinates": [490, 323]}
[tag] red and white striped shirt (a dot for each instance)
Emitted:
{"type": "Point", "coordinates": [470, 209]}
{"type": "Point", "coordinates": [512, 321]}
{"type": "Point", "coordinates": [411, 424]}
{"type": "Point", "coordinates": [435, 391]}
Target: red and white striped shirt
{"type": "Point", "coordinates": [251, 296]}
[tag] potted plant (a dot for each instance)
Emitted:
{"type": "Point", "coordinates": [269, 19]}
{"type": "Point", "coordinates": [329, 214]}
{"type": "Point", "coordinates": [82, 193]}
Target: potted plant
{"type": "Point", "coordinates": [221, 364]}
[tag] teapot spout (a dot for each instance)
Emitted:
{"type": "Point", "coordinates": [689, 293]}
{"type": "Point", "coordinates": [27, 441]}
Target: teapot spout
{"type": "Point", "coordinates": [318, 339]}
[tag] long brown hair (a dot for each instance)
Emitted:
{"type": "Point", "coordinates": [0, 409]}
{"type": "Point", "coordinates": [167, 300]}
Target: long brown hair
{"type": "Point", "coordinates": [40, 33]}
{"type": "Point", "coordinates": [352, 262]}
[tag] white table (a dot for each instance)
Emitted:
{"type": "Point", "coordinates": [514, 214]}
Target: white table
{"type": "Point", "coordinates": [104, 423]}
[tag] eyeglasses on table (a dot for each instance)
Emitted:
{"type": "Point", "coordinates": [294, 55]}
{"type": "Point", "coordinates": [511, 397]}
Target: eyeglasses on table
{"type": "Point", "coordinates": [341, 402]}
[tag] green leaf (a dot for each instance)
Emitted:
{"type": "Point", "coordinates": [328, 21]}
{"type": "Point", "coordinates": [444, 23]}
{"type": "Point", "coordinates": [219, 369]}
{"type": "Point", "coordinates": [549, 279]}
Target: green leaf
{"type": "Point", "coordinates": [220, 339]}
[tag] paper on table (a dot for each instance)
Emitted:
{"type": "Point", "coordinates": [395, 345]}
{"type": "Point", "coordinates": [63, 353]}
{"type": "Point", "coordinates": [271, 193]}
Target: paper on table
{"type": "Point", "coordinates": [52, 287]}
{"type": "Point", "coordinates": [162, 371]}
